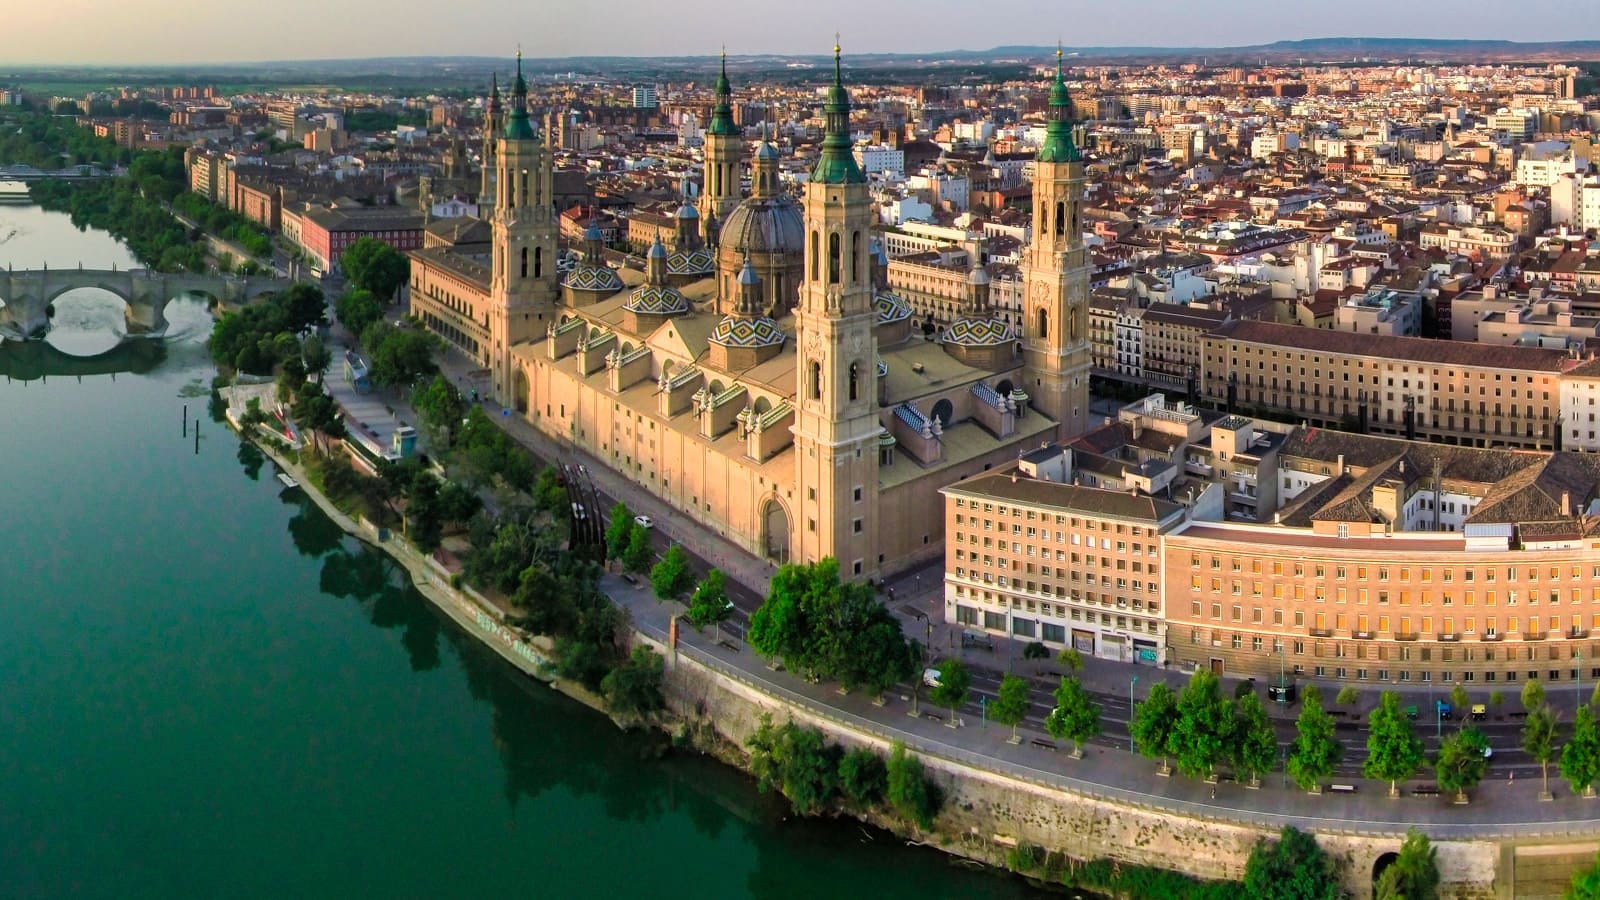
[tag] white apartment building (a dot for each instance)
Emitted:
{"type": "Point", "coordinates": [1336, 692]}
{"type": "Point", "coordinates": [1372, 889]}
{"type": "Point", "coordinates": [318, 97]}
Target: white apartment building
{"type": "Point", "coordinates": [878, 159]}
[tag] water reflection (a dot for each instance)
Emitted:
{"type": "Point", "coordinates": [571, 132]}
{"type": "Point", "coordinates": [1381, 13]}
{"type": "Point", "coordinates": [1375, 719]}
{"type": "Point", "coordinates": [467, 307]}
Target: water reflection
{"type": "Point", "coordinates": [35, 360]}
{"type": "Point", "coordinates": [251, 459]}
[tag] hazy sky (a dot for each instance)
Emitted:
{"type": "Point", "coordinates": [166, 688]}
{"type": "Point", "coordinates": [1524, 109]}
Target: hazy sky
{"type": "Point", "coordinates": [179, 31]}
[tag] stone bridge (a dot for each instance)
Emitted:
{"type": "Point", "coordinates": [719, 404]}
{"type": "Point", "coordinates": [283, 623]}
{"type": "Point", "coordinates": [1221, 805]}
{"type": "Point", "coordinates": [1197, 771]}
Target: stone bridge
{"type": "Point", "coordinates": [27, 297]}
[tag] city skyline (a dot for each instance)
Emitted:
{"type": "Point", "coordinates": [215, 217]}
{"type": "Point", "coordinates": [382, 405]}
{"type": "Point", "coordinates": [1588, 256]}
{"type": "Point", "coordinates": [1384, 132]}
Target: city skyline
{"type": "Point", "coordinates": [141, 35]}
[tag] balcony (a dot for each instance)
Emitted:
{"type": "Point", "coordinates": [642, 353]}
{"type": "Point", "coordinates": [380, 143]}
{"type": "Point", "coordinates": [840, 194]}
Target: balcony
{"type": "Point", "coordinates": [1322, 632]}
{"type": "Point", "coordinates": [1577, 633]}
{"type": "Point", "coordinates": [1490, 636]}
{"type": "Point", "coordinates": [1361, 635]}
{"type": "Point", "coordinates": [1533, 635]}
{"type": "Point", "coordinates": [1447, 636]}
{"type": "Point", "coordinates": [1196, 467]}
{"type": "Point", "coordinates": [1406, 636]}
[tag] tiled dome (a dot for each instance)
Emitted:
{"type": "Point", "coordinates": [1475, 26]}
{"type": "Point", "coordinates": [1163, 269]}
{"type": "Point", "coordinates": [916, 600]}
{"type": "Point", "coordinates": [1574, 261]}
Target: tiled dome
{"type": "Point", "coordinates": [735, 331]}
{"type": "Point", "coordinates": [975, 332]}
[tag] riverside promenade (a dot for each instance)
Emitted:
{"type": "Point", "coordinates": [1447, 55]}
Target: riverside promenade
{"type": "Point", "coordinates": [1499, 808]}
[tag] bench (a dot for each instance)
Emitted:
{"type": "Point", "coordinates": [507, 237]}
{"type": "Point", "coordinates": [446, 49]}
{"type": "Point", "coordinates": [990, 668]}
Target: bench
{"type": "Point", "coordinates": [1342, 788]}
{"type": "Point", "coordinates": [1425, 790]}
{"type": "Point", "coordinates": [1043, 744]}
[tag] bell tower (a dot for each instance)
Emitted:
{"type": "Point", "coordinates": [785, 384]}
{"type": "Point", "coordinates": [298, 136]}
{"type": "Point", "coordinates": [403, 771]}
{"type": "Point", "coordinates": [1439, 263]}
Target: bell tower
{"type": "Point", "coordinates": [1055, 347]}
{"type": "Point", "coordinates": [836, 430]}
{"type": "Point", "coordinates": [720, 192]}
{"type": "Point", "coordinates": [492, 124]}
{"type": "Point", "coordinates": [522, 282]}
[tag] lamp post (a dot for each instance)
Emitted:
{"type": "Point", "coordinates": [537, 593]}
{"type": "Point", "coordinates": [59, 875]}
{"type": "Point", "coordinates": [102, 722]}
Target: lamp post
{"type": "Point", "coordinates": [1577, 685]}
{"type": "Point", "coordinates": [1131, 747]}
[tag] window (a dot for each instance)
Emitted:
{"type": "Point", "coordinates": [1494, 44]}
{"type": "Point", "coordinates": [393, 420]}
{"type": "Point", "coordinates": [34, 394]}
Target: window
{"type": "Point", "coordinates": [816, 381]}
{"type": "Point", "coordinates": [835, 249]}
{"type": "Point", "coordinates": [855, 377]}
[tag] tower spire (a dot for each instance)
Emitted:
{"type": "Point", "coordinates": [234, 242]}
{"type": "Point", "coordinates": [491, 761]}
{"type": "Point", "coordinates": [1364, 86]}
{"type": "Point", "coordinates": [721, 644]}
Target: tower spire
{"type": "Point", "coordinates": [837, 164]}
{"type": "Point", "coordinates": [722, 113]}
{"type": "Point", "coordinates": [518, 128]}
{"type": "Point", "coordinates": [1058, 145]}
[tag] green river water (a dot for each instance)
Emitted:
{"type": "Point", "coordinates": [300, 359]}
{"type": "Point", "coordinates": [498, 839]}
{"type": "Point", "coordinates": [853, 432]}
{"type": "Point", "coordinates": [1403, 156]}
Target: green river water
{"type": "Point", "coordinates": [207, 690]}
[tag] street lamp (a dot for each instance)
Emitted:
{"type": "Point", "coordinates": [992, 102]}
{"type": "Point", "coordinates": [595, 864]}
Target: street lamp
{"type": "Point", "coordinates": [1577, 657]}
{"type": "Point", "coordinates": [1131, 747]}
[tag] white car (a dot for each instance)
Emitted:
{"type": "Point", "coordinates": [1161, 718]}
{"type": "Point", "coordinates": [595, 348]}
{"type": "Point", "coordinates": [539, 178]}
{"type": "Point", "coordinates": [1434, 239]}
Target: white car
{"type": "Point", "coordinates": [930, 677]}
{"type": "Point", "coordinates": [644, 522]}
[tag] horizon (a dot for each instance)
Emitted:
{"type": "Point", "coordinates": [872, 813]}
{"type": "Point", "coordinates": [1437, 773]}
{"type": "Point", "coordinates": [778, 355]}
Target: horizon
{"type": "Point", "coordinates": [481, 28]}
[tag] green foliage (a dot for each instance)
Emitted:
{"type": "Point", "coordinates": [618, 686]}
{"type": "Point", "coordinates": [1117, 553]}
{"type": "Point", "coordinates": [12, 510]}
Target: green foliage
{"type": "Point", "coordinates": [1532, 694]}
{"type": "Point", "coordinates": [911, 795]}
{"type": "Point", "coordinates": [424, 514]}
{"type": "Point", "coordinates": [1076, 717]}
{"type": "Point", "coordinates": [440, 408]}
{"type": "Point", "coordinates": [639, 555]}
{"type": "Point", "coordinates": [1121, 879]}
{"type": "Point", "coordinates": [1394, 753]}
{"type": "Point", "coordinates": [1347, 696]}
{"type": "Point", "coordinates": [1539, 739]}
{"type": "Point", "coordinates": [370, 119]}
{"type": "Point", "coordinates": [1025, 857]}
{"type": "Point", "coordinates": [619, 529]}
{"type": "Point", "coordinates": [672, 577]}
{"type": "Point", "coordinates": [1316, 750]}
{"type": "Point", "coordinates": [398, 356]}
{"type": "Point", "coordinates": [826, 628]}
{"type": "Point", "coordinates": [1072, 659]}
{"type": "Point", "coordinates": [482, 452]}
{"type": "Point", "coordinates": [709, 603]}
{"type": "Point", "coordinates": [316, 357]}
{"type": "Point", "coordinates": [1585, 883]}
{"type": "Point", "coordinates": [635, 686]}
{"type": "Point", "coordinates": [1199, 738]}
{"type": "Point", "coordinates": [224, 223]}
{"type": "Point", "coordinates": [1460, 701]}
{"type": "Point", "coordinates": [1580, 757]}
{"type": "Point", "coordinates": [1011, 705]}
{"type": "Point", "coordinates": [797, 762]}
{"type": "Point", "coordinates": [1460, 763]}
{"type": "Point", "coordinates": [1294, 867]}
{"type": "Point", "coordinates": [863, 778]}
{"type": "Point", "coordinates": [1154, 721]}
{"type": "Point", "coordinates": [375, 266]}
{"type": "Point", "coordinates": [1036, 650]}
{"type": "Point", "coordinates": [358, 311]}
{"type": "Point", "coordinates": [50, 143]}
{"type": "Point", "coordinates": [1497, 698]}
{"type": "Point", "coordinates": [262, 337]}
{"type": "Point", "coordinates": [1253, 743]}
{"type": "Point", "coordinates": [955, 683]}
{"type": "Point", "coordinates": [130, 208]}
{"type": "Point", "coordinates": [1414, 875]}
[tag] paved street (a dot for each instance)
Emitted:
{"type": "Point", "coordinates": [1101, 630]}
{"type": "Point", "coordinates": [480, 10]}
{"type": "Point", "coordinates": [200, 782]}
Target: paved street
{"type": "Point", "coordinates": [1507, 796]}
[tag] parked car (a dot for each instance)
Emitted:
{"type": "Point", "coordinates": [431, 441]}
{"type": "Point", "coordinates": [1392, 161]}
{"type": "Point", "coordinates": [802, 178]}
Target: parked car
{"type": "Point", "coordinates": [930, 677]}
{"type": "Point", "coordinates": [1479, 712]}
{"type": "Point", "coordinates": [1443, 708]}
{"type": "Point", "coordinates": [644, 522]}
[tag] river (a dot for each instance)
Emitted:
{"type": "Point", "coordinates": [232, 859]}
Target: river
{"type": "Point", "coordinates": [207, 690]}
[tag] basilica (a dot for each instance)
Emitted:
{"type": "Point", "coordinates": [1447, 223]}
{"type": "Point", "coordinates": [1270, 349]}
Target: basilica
{"type": "Point", "coordinates": [757, 375]}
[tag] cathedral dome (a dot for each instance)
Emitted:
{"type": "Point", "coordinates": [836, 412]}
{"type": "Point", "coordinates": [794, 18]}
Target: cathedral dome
{"type": "Point", "coordinates": [598, 279]}
{"type": "Point", "coordinates": [891, 308]}
{"type": "Point", "coordinates": [972, 331]}
{"type": "Point", "coordinates": [657, 300]}
{"type": "Point", "coordinates": [735, 331]}
{"type": "Point", "coordinates": [765, 225]}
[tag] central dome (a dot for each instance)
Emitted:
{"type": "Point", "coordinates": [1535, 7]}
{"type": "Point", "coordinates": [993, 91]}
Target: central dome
{"type": "Point", "coordinates": [765, 225]}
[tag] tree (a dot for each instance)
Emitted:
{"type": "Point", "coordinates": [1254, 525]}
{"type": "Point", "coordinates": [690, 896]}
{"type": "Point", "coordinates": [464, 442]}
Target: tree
{"type": "Point", "coordinates": [709, 603]}
{"type": "Point", "coordinates": [1585, 883]}
{"type": "Point", "coordinates": [1539, 741]}
{"type": "Point", "coordinates": [1460, 763]}
{"type": "Point", "coordinates": [1497, 699]}
{"type": "Point", "coordinates": [1347, 696]}
{"type": "Point", "coordinates": [375, 266]}
{"type": "Point", "coordinates": [1076, 717]}
{"type": "Point", "coordinates": [1532, 694]}
{"type": "Point", "coordinates": [358, 310]}
{"type": "Point", "coordinates": [635, 686]}
{"type": "Point", "coordinates": [1035, 650]}
{"type": "Point", "coordinates": [1460, 701]}
{"type": "Point", "coordinates": [1580, 757]}
{"type": "Point", "coordinates": [305, 305]}
{"type": "Point", "coordinates": [1254, 745]}
{"type": "Point", "coordinates": [618, 530]}
{"type": "Point", "coordinates": [1394, 753]}
{"type": "Point", "coordinates": [1414, 875]}
{"type": "Point", "coordinates": [316, 357]}
{"type": "Point", "coordinates": [439, 407]}
{"type": "Point", "coordinates": [1594, 696]}
{"type": "Point", "coordinates": [1316, 749]}
{"type": "Point", "coordinates": [398, 356]}
{"type": "Point", "coordinates": [1153, 722]}
{"type": "Point", "coordinates": [671, 578]}
{"type": "Point", "coordinates": [1011, 706]}
{"type": "Point", "coordinates": [1294, 867]}
{"type": "Point", "coordinates": [910, 794]}
{"type": "Point", "coordinates": [457, 502]}
{"type": "Point", "coordinates": [1200, 735]}
{"type": "Point", "coordinates": [639, 555]}
{"type": "Point", "coordinates": [955, 682]}
{"type": "Point", "coordinates": [1072, 659]}
{"type": "Point", "coordinates": [823, 627]}
{"type": "Point", "coordinates": [863, 777]}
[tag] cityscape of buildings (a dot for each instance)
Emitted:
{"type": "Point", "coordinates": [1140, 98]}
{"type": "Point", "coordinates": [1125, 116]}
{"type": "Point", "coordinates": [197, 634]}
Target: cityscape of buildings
{"type": "Point", "coordinates": [1349, 314]}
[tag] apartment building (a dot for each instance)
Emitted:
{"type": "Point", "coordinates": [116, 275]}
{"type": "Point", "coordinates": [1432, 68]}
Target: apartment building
{"type": "Point", "coordinates": [1452, 393]}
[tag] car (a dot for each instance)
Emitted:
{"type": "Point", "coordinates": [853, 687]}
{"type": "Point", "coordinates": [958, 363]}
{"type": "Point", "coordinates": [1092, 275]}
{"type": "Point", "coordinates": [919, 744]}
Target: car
{"type": "Point", "coordinates": [644, 522]}
{"type": "Point", "coordinates": [1479, 712]}
{"type": "Point", "coordinates": [930, 677]}
{"type": "Point", "coordinates": [1488, 751]}
{"type": "Point", "coordinates": [1444, 710]}
{"type": "Point", "coordinates": [577, 510]}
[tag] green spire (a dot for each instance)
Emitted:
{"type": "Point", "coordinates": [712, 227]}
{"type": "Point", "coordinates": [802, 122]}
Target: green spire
{"type": "Point", "coordinates": [722, 113]}
{"type": "Point", "coordinates": [1058, 146]}
{"type": "Point", "coordinates": [518, 128]}
{"type": "Point", "coordinates": [837, 164]}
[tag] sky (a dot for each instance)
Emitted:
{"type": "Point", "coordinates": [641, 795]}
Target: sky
{"type": "Point", "coordinates": [173, 32]}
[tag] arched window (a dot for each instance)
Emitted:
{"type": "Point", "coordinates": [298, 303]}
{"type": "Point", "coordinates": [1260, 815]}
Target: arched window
{"type": "Point", "coordinates": [816, 272]}
{"type": "Point", "coordinates": [1061, 218]}
{"type": "Point", "coordinates": [816, 381]}
{"type": "Point", "coordinates": [1043, 324]}
{"type": "Point", "coordinates": [538, 262]}
{"type": "Point", "coordinates": [855, 261]}
{"type": "Point", "coordinates": [524, 262]}
{"type": "Point", "coordinates": [835, 248]}
{"type": "Point", "coordinates": [855, 373]}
